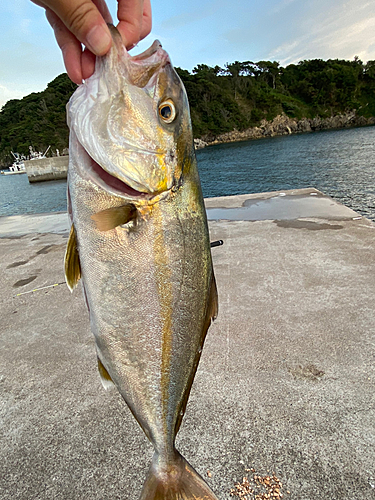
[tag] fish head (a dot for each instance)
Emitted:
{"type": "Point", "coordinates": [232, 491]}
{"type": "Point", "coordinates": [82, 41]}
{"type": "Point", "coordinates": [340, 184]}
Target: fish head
{"type": "Point", "coordinates": [132, 118]}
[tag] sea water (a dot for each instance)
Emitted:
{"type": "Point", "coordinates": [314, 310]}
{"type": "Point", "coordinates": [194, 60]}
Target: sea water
{"type": "Point", "coordinates": [340, 163]}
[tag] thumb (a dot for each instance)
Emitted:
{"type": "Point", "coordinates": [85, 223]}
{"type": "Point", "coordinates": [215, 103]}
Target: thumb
{"type": "Point", "coordinates": [84, 20]}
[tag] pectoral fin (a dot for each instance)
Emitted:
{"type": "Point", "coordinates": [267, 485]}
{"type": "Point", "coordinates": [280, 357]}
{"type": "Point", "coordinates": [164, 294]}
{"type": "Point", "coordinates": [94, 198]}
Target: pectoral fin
{"type": "Point", "coordinates": [113, 217]}
{"type": "Point", "coordinates": [105, 377]}
{"type": "Point", "coordinates": [72, 265]}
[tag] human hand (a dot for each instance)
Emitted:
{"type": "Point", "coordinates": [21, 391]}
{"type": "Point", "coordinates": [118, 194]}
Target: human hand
{"type": "Point", "coordinates": [77, 22]}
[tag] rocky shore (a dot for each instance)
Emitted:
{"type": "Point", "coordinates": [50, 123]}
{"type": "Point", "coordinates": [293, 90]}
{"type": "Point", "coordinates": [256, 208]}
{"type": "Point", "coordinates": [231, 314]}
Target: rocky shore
{"type": "Point", "coordinates": [283, 125]}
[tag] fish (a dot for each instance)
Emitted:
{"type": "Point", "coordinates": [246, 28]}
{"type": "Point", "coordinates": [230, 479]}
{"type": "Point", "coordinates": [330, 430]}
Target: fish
{"type": "Point", "coordinates": [139, 244]}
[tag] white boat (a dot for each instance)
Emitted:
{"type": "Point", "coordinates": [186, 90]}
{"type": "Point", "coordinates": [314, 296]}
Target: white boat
{"type": "Point", "coordinates": [18, 166]}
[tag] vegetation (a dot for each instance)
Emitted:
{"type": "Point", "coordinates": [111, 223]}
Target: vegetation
{"type": "Point", "coordinates": [237, 96]}
{"type": "Point", "coordinates": [37, 120]}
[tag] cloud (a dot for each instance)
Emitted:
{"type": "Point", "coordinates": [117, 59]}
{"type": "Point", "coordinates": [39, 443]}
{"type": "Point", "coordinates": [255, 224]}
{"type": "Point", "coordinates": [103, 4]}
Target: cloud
{"type": "Point", "coordinates": [24, 26]}
{"type": "Point", "coordinates": [199, 31]}
{"type": "Point", "coordinates": [6, 94]}
{"type": "Point", "coordinates": [291, 30]}
{"type": "Point", "coordinates": [341, 32]}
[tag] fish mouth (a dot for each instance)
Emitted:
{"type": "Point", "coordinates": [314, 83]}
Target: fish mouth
{"type": "Point", "coordinates": [117, 187]}
{"type": "Point", "coordinates": [113, 184]}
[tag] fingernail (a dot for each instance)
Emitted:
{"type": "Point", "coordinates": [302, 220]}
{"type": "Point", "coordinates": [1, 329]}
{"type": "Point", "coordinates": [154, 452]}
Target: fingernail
{"type": "Point", "coordinates": [98, 40]}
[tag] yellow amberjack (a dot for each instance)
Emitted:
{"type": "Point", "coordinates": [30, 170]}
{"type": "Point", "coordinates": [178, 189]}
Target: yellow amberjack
{"type": "Point", "coordinates": [140, 243]}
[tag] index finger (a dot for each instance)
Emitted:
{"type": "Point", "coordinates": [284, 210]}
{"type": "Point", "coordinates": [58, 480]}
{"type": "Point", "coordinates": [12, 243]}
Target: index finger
{"type": "Point", "coordinates": [135, 20]}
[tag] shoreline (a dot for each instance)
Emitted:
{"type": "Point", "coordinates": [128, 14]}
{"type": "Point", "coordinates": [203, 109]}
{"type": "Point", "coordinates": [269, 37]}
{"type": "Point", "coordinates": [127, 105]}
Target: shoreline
{"type": "Point", "coordinates": [284, 125]}
{"type": "Point", "coordinates": [292, 204]}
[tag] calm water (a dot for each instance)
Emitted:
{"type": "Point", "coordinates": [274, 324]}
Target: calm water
{"type": "Point", "coordinates": [341, 163]}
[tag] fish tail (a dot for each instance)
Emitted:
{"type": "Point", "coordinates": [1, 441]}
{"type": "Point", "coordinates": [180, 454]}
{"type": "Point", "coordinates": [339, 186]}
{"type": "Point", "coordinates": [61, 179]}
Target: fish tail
{"type": "Point", "coordinates": [175, 481]}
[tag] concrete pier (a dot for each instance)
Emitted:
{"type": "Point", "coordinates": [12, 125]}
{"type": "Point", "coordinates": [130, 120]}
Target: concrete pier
{"type": "Point", "coordinates": [285, 383]}
{"type": "Point", "coordinates": [47, 169]}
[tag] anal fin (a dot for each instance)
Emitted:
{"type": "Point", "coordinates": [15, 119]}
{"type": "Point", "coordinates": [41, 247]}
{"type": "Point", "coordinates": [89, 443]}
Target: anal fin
{"type": "Point", "coordinates": [213, 308]}
{"type": "Point", "coordinates": [105, 377]}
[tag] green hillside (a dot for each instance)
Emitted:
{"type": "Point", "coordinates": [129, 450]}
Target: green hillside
{"type": "Point", "coordinates": [237, 96]}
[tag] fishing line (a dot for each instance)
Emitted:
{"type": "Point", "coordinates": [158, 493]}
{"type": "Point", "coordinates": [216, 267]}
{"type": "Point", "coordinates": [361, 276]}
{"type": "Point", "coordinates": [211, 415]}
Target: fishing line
{"type": "Point", "coordinates": [41, 288]}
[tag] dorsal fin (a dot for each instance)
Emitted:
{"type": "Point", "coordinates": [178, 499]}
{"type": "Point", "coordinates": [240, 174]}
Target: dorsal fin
{"type": "Point", "coordinates": [113, 217]}
{"type": "Point", "coordinates": [72, 265]}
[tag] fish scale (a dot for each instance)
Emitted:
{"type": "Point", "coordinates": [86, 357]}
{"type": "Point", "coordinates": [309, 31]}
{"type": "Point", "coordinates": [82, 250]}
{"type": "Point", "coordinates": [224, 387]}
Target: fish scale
{"type": "Point", "coordinates": [139, 242]}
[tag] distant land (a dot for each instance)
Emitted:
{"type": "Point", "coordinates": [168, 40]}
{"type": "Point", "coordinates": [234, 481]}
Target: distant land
{"type": "Point", "coordinates": [241, 100]}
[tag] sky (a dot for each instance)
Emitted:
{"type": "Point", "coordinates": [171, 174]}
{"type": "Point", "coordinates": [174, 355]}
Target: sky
{"type": "Point", "coordinates": [194, 32]}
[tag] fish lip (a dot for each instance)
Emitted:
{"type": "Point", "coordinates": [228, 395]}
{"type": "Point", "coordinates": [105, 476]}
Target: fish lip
{"type": "Point", "coordinates": [141, 69]}
{"type": "Point", "coordinates": [118, 41]}
{"type": "Point", "coordinates": [154, 47]}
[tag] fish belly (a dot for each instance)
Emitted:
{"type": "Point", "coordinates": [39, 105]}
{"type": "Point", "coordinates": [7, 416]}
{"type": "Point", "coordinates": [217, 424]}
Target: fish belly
{"type": "Point", "coordinates": [147, 291]}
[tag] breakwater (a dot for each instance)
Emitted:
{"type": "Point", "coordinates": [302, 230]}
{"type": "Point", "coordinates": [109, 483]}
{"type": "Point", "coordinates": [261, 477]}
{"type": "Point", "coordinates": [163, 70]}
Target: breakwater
{"type": "Point", "coordinates": [293, 345]}
{"type": "Point", "coordinates": [284, 125]}
{"type": "Point", "coordinates": [47, 169]}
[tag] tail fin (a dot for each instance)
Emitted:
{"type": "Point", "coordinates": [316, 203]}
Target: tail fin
{"type": "Point", "coordinates": [177, 481]}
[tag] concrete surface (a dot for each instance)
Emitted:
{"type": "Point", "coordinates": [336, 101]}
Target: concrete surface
{"type": "Point", "coordinates": [15, 226]}
{"type": "Point", "coordinates": [285, 384]}
{"type": "Point", "coordinates": [47, 169]}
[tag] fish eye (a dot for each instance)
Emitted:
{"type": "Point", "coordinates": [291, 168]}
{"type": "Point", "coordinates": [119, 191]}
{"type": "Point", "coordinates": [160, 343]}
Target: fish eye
{"type": "Point", "coordinates": [167, 111]}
